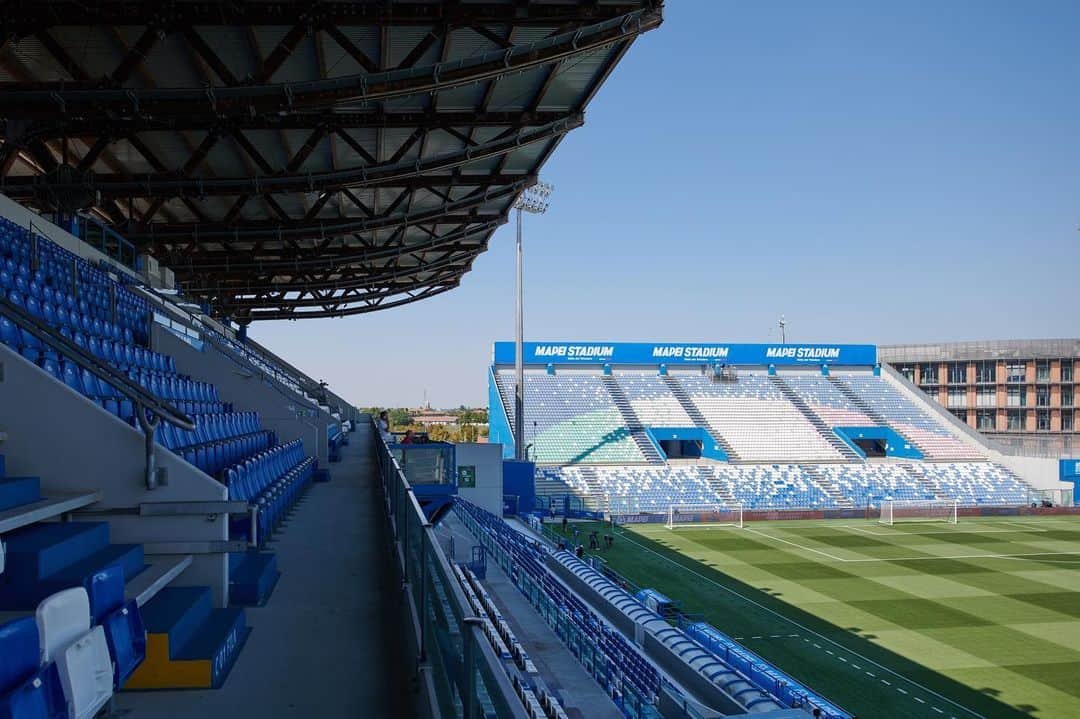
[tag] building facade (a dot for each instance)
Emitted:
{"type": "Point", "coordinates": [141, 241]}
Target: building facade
{"type": "Point", "coordinates": [1021, 393]}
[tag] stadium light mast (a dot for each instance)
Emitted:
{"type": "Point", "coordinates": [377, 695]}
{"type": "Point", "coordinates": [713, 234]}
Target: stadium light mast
{"type": "Point", "coordinates": [783, 333]}
{"type": "Point", "coordinates": [533, 200]}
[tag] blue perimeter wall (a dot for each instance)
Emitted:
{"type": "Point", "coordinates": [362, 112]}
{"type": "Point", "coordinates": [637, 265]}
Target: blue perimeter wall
{"type": "Point", "coordinates": [1069, 471]}
{"type": "Point", "coordinates": [642, 353]}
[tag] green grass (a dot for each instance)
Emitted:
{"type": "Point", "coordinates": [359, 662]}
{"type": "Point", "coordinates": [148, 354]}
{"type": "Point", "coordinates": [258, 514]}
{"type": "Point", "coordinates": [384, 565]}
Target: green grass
{"type": "Point", "coordinates": [980, 619]}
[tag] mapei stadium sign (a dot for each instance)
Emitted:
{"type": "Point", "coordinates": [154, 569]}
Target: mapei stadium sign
{"type": "Point", "coordinates": [642, 353]}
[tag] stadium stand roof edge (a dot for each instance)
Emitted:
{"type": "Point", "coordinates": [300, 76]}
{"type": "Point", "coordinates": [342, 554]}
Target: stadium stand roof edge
{"type": "Point", "coordinates": [300, 160]}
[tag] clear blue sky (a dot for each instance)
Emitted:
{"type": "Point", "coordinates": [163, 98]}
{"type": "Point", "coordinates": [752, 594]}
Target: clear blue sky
{"type": "Point", "coordinates": [877, 172]}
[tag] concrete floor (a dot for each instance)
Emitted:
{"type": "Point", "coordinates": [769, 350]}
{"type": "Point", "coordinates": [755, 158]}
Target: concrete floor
{"type": "Point", "coordinates": [325, 644]}
{"type": "Point", "coordinates": [582, 697]}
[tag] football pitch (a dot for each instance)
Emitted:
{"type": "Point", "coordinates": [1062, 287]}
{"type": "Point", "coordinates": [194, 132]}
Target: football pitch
{"type": "Point", "coordinates": [978, 619]}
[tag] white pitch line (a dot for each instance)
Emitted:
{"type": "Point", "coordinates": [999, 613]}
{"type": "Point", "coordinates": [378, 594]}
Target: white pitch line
{"type": "Point", "coordinates": [804, 628]}
{"type": "Point", "coordinates": [866, 560]}
{"type": "Point", "coordinates": [967, 556]}
{"type": "Point", "coordinates": [796, 544]}
{"type": "Point", "coordinates": [965, 530]}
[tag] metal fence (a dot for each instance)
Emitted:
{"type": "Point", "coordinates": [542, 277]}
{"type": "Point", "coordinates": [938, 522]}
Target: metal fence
{"type": "Point", "coordinates": [456, 670]}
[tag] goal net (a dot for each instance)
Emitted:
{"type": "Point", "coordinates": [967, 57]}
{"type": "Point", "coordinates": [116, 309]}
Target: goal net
{"type": "Point", "coordinates": [930, 510]}
{"type": "Point", "coordinates": [702, 515]}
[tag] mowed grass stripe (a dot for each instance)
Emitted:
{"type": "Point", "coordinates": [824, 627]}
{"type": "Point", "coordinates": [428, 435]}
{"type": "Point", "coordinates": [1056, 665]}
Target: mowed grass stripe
{"type": "Point", "coordinates": [956, 545]}
{"type": "Point", "coordinates": [940, 607]}
{"type": "Point", "coordinates": [999, 613]}
{"type": "Point", "coordinates": [742, 610]}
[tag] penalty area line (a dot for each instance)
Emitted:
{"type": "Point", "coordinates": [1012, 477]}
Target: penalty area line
{"type": "Point", "coordinates": [1029, 556]}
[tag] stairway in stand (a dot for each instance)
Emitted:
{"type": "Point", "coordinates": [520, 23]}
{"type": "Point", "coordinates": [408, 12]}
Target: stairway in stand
{"type": "Point", "coordinates": [929, 486]}
{"type": "Point", "coordinates": [699, 419]}
{"type": "Point", "coordinates": [550, 486]}
{"type": "Point", "coordinates": [842, 501]}
{"type": "Point", "coordinates": [630, 419]}
{"type": "Point", "coordinates": [722, 490]}
{"type": "Point", "coordinates": [594, 500]}
{"type": "Point", "coordinates": [870, 412]}
{"type": "Point", "coordinates": [856, 400]}
{"type": "Point", "coordinates": [506, 392]}
{"type": "Point", "coordinates": [823, 429]}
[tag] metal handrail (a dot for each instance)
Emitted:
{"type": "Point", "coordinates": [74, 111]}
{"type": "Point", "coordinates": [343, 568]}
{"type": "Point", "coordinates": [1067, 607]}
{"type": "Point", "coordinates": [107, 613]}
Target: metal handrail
{"type": "Point", "coordinates": [207, 334]}
{"type": "Point", "coordinates": [401, 503]}
{"type": "Point", "coordinates": [99, 368]}
{"type": "Point", "coordinates": [143, 400]}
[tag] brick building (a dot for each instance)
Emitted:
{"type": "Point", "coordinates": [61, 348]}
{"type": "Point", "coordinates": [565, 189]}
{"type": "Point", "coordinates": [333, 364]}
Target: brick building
{"type": "Point", "coordinates": [1022, 393]}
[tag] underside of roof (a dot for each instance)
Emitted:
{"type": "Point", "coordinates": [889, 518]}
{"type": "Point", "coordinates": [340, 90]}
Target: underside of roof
{"type": "Point", "coordinates": [299, 159]}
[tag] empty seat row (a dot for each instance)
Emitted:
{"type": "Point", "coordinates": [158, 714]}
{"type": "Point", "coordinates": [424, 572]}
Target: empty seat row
{"type": "Point", "coordinates": [48, 272]}
{"type": "Point", "coordinates": [218, 440]}
{"type": "Point", "coordinates": [59, 316]}
{"type": "Point", "coordinates": [174, 387]}
{"type": "Point", "coordinates": [632, 489]}
{"type": "Point", "coordinates": [271, 482]}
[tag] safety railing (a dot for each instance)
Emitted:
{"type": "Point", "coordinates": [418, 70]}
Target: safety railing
{"type": "Point", "coordinates": [197, 333]}
{"type": "Point", "coordinates": [457, 671]}
{"type": "Point", "coordinates": [106, 240]}
{"type": "Point", "coordinates": [150, 410]}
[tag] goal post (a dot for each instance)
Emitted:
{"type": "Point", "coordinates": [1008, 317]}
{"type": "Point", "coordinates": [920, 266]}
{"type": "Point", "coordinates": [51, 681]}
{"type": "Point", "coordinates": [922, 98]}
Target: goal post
{"type": "Point", "coordinates": [704, 515]}
{"type": "Point", "coordinates": [926, 510]}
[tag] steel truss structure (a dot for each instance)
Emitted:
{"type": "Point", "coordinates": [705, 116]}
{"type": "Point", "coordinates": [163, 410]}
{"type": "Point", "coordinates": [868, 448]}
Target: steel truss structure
{"type": "Point", "coordinates": [299, 159]}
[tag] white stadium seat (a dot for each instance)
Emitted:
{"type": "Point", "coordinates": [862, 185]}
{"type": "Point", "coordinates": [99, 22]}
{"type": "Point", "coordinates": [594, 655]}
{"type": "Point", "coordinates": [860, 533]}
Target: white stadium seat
{"type": "Point", "coordinates": [61, 619]}
{"type": "Point", "coordinates": [86, 674]}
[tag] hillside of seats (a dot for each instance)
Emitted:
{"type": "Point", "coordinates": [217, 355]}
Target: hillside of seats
{"type": "Point", "coordinates": [630, 489]}
{"type": "Point", "coordinates": [191, 642]}
{"type": "Point", "coordinates": [900, 413]}
{"type": "Point", "coordinates": [571, 418]}
{"type": "Point", "coordinates": [226, 444]}
{"type": "Point", "coordinates": [575, 417]}
{"type": "Point", "coordinates": [778, 432]}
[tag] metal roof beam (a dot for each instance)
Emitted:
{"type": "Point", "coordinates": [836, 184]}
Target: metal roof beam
{"type": "Point", "coordinates": [28, 16]}
{"type": "Point", "coordinates": [327, 258]}
{"type": "Point", "coordinates": [347, 308]}
{"type": "Point", "coordinates": [363, 290]}
{"type": "Point", "coordinates": [120, 126]}
{"type": "Point", "coordinates": [43, 99]}
{"type": "Point", "coordinates": [165, 185]}
{"type": "Point", "coordinates": [350, 278]}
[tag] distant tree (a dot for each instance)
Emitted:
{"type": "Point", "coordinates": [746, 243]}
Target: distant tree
{"type": "Point", "coordinates": [400, 417]}
{"type": "Point", "coordinates": [473, 416]}
{"type": "Point", "coordinates": [441, 433]}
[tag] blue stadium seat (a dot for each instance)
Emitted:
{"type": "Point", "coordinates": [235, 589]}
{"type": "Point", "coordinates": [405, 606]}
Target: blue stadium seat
{"type": "Point", "coordinates": [27, 689]}
{"type": "Point", "coordinates": [125, 636]}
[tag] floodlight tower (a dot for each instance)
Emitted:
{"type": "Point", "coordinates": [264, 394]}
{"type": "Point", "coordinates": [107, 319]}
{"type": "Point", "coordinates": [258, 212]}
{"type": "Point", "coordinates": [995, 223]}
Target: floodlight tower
{"type": "Point", "coordinates": [783, 330]}
{"type": "Point", "coordinates": [533, 200]}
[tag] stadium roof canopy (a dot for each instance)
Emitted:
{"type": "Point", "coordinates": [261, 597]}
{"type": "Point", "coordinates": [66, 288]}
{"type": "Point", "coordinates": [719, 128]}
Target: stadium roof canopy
{"type": "Point", "coordinates": [299, 159]}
